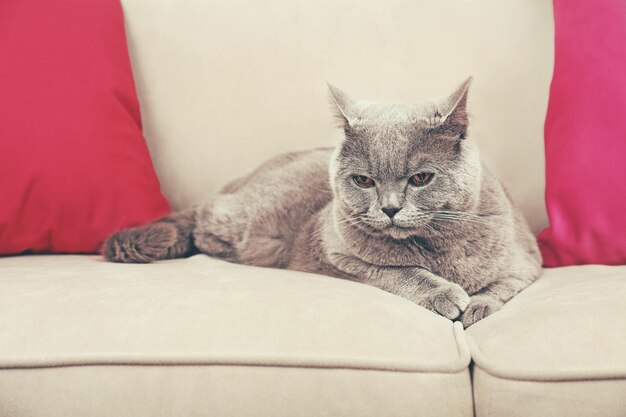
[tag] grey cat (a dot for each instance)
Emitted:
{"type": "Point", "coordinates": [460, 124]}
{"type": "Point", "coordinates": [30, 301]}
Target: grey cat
{"type": "Point", "coordinates": [403, 203]}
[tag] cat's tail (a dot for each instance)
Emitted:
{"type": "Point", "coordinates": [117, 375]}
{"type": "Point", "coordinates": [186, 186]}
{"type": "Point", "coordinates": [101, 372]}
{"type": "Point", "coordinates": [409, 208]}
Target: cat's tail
{"type": "Point", "coordinates": [166, 238]}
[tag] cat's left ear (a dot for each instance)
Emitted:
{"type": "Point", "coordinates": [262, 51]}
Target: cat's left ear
{"type": "Point", "coordinates": [453, 111]}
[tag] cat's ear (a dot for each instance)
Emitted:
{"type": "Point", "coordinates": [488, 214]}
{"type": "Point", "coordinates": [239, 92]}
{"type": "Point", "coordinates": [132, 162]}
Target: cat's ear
{"type": "Point", "coordinates": [346, 107]}
{"type": "Point", "coordinates": [453, 110]}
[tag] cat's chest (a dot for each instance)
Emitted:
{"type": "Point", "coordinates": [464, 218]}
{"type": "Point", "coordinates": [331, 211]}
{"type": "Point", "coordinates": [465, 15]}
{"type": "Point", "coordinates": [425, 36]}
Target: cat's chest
{"type": "Point", "coordinates": [416, 251]}
{"type": "Point", "coordinates": [464, 261]}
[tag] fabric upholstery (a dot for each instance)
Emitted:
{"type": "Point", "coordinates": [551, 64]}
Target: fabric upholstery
{"type": "Point", "coordinates": [73, 317]}
{"type": "Point", "coordinates": [74, 166]}
{"type": "Point", "coordinates": [233, 391]}
{"type": "Point", "coordinates": [224, 86]}
{"type": "Point", "coordinates": [497, 397]}
{"type": "Point", "coordinates": [558, 344]}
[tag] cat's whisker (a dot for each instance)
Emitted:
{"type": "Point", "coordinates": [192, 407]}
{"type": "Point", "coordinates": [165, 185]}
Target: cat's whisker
{"type": "Point", "coordinates": [464, 220]}
{"type": "Point", "coordinates": [463, 216]}
{"type": "Point", "coordinates": [470, 220]}
{"type": "Point", "coordinates": [465, 213]}
{"type": "Point", "coordinates": [432, 229]}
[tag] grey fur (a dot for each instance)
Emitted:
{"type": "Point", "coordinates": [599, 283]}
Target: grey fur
{"type": "Point", "coordinates": [457, 246]}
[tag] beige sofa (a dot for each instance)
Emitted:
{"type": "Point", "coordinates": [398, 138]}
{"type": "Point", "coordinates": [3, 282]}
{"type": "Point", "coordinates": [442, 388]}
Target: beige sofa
{"type": "Point", "coordinates": [225, 85]}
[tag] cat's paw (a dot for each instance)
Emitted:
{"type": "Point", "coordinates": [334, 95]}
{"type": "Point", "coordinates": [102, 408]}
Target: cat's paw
{"type": "Point", "coordinates": [449, 300]}
{"type": "Point", "coordinates": [140, 244]}
{"type": "Point", "coordinates": [480, 306]}
{"type": "Point", "coordinates": [211, 245]}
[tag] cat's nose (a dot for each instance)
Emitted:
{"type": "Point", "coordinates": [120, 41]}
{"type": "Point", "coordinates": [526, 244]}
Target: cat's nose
{"type": "Point", "coordinates": [390, 211]}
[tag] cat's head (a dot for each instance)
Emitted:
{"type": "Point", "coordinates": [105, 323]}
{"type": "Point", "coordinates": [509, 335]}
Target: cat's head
{"type": "Point", "coordinates": [400, 163]}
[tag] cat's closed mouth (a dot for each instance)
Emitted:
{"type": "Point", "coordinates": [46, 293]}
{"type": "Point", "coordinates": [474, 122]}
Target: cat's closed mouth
{"type": "Point", "coordinates": [394, 225]}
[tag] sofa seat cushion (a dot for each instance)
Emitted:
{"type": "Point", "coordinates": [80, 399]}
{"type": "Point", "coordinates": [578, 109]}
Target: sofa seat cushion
{"type": "Point", "coordinates": [555, 348]}
{"type": "Point", "coordinates": [214, 328]}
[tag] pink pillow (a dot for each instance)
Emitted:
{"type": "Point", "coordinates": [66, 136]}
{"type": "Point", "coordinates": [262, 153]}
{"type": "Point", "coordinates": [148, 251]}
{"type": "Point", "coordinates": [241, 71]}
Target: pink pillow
{"type": "Point", "coordinates": [74, 166]}
{"type": "Point", "coordinates": [585, 136]}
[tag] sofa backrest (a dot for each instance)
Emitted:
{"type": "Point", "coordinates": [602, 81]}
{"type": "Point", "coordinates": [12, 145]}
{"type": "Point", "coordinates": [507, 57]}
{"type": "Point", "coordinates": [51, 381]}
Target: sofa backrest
{"type": "Point", "coordinates": [226, 84]}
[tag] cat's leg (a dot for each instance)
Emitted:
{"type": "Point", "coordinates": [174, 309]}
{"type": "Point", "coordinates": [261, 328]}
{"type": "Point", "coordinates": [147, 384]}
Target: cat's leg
{"type": "Point", "coordinates": [236, 228]}
{"type": "Point", "coordinates": [413, 283]}
{"type": "Point", "coordinates": [165, 238]}
{"type": "Point", "coordinates": [491, 298]}
{"type": "Point", "coordinates": [220, 225]}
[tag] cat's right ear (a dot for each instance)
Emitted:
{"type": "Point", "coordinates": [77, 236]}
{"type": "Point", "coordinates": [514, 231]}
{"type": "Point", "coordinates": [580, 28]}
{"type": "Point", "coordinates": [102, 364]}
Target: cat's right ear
{"type": "Point", "coordinates": [453, 110]}
{"type": "Point", "coordinates": [345, 105]}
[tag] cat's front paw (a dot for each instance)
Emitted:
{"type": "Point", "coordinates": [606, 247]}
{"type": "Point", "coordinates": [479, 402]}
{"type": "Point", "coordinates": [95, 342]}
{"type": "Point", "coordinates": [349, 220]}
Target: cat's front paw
{"type": "Point", "coordinates": [480, 306]}
{"type": "Point", "coordinates": [140, 244]}
{"type": "Point", "coordinates": [449, 300]}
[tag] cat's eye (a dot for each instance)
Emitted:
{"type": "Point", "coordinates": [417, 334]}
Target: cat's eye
{"type": "Point", "coordinates": [363, 181]}
{"type": "Point", "coordinates": [421, 179]}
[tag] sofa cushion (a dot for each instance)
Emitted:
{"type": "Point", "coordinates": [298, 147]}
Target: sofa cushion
{"type": "Point", "coordinates": [214, 329]}
{"type": "Point", "coordinates": [562, 337]}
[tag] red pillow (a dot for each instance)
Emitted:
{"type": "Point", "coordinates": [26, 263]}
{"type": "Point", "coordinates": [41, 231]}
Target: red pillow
{"type": "Point", "coordinates": [585, 134]}
{"type": "Point", "coordinates": [74, 166]}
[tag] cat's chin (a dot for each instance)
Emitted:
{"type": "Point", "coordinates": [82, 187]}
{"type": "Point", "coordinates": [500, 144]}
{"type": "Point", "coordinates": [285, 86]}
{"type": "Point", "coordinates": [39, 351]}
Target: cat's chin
{"type": "Point", "coordinates": [403, 232]}
{"type": "Point", "coordinates": [399, 232]}
{"type": "Point", "coordinates": [391, 230]}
